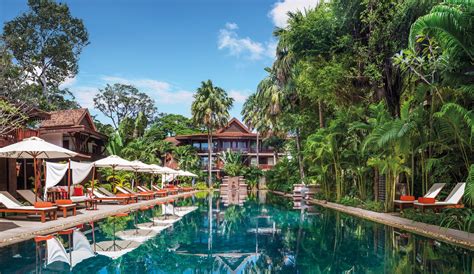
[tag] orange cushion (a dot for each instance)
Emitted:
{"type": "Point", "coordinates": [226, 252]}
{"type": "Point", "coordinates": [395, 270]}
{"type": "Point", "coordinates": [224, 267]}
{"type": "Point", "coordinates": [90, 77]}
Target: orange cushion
{"type": "Point", "coordinates": [43, 204]}
{"type": "Point", "coordinates": [424, 200]}
{"type": "Point", "coordinates": [78, 191]}
{"type": "Point", "coordinates": [64, 202]}
{"type": "Point", "coordinates": [122, 195]}
{"type": "Point", "coordinates": [407, 198]}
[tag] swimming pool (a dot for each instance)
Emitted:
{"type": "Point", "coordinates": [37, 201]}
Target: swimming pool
{"type": "Point", "coordinates": [263, 234]}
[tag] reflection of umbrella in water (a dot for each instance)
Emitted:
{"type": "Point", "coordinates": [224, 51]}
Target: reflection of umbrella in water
{"type": "Point", "coordinates": [115, 249]}
{"type": "Point", "coordinates": [81, 249]}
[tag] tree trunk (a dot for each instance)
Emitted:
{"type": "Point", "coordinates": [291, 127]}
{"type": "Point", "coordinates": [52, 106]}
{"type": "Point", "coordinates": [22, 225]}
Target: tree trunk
{"type": "Point", "coordinates": [393, 86]}
{"type": "Point", "coordinates": [258, 150]}
{"type": "Point", "coordinates": [209, 157]}
{"type": "Point", "coordinates": [298, 150]}
{"type": "Point", "coordinates": [320, 110]}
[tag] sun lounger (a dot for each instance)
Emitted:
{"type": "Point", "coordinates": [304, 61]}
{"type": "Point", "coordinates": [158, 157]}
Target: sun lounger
{"type": "Point", "coordinates": [29, 196]}
{"type": "Point", "coordinates": [453, 200]}
{"type": "Point", "coordinates": [431, 193]}
{"type": "Point", "coordinates": [126, 190]}
{"type": "Point", "coordinates": [163, 191]}
{"type": "Point", "coordinates": [156, 193]}
{"type": "Point", "coordinates": [13, 206]}
{"type": "Point", "coordinates": [103, 197]}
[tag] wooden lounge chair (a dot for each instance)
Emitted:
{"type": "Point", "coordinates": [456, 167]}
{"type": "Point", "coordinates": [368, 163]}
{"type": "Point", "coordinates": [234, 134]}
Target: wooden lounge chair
{"type": "Point", "coordinates": [453, 200]}
{"type": "Point", "coordinates": [101, 197]}
{"type": "Point", "coordinates": [165, 191]}
{"type": "Point", "coordinates": [144, 195]}
{"type": "Point", "coordinates": [29, 196]}
{"type": "Point", "coordinates": [13, 206]}
{"type": "Point", "coordinates": [431, 193]}
{"type": "Point", "coordinates": [156, 193]}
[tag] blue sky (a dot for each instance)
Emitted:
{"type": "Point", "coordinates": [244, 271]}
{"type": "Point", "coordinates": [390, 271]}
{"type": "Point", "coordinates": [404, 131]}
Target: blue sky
{"type": "Point", "coordinates": [166, 48]}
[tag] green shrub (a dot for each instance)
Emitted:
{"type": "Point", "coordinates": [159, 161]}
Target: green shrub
{"type": "Point", "coordinates": [201, 185]}
{"type": "Point", "coordinates": [350, 201]}
{"type": "Point", "coordinates": [428, 217]}
{"type": "Point", "coordinates": [376, 206]}
{"type": "Point", "coordinates": [458, 218]}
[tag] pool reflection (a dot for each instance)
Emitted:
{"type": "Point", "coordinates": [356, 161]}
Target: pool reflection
{"type": "Point", "coordinates": [262, 234]}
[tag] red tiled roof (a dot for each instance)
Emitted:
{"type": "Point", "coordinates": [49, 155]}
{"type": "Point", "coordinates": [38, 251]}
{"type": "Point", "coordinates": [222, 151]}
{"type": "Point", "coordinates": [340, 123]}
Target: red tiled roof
{"type": "Point", "coordinates": [172, 140]}
{"type": "Point", "coordinates": [69, 117]}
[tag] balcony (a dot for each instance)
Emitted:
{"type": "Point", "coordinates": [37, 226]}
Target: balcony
{"type": "Point", "coordinates": [16, 136]}
{"type": "Point", "coordinates": [241, 150]}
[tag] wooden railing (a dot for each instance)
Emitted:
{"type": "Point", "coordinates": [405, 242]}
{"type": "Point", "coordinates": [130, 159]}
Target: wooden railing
{"type": "Point", "coordinates": [16, 136]}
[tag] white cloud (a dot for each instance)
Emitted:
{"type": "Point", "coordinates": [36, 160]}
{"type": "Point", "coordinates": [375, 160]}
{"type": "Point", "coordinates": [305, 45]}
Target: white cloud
{"type": "Point", "coordinates": [85, 96]}
{"type": "Point", "coordinates": [279, 12]}
{"type": "Point", "coordinates": [150, 84]}
{"type": "Point", "coordinates": [239, 95]}
{"type": "Point", "coordinates": [68, 82]}
{"type": "Point", "coordinates": [231, 26]}
{"type": "Point", "coordinates": [237, 46]}
{"type": "Point", "coordinates": [161, 92]}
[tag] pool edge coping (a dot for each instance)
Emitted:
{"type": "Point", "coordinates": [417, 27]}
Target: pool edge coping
{"type": "Point", "coordinates": [447, 235]}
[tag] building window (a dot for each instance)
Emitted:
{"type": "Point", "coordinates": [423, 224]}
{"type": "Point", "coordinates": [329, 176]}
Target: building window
{"type": "Point", "coordinates": [66, 144]}
{"type": "Point", "coordinates": [270, 161]}
{"type": "Point", "coordinates": [204, 146]}
{"type": "Point", "coordinates": [253, 161]}
{"type": "Point", "coordinates": [226, 144]}
{"type": "Point", "coordinates": [197, 145]}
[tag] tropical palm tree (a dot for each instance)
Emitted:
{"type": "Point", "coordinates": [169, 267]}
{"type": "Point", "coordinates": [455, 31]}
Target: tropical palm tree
{"type": "Point", "coordinates": [451, 24]}
{"type": "Point", "coordinates": [187, 157]}
{"type": "Point", "coordinates": [210, 110]}
{"type": "Point", "coordinates": [255, 119]}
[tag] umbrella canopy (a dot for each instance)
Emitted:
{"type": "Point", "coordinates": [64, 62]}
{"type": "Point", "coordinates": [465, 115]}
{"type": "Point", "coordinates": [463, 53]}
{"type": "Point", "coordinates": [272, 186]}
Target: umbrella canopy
{"type": "Point", "coordinates": [137, 166]}
{"type": "Point", "coordinates": [156, 168]}
{"type": "Point", "coordinates": [188, 174]}
{"type": "Point", "coordinates": [167, 170]}
{"type": "Point", "coordinates": [113, 161]}
{"type": "Point", "coordinates": [35, 148]}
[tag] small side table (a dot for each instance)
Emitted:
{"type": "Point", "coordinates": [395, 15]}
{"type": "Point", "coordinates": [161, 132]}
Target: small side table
{"type": "Point", "coordinates": [91, 204]}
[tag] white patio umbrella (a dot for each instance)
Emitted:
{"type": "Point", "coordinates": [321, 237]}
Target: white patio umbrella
{"type": "Point", "coordinates": [156, 169]}
{"type": "Point", "coordinates": [188, 174]}
{"type": "Point", "coordinates": [137, 166]}
{"type": "Point", "coordinates": [113, 162]}
{"type": "Point", "coordinates": [35, 148]}
{"type": "Point", "coordinates": [166, 171]}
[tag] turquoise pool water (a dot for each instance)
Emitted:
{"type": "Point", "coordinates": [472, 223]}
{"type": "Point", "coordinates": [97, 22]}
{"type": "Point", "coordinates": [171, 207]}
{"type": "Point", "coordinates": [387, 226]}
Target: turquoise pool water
{"type": "Point", "coordinates": [264, 235]}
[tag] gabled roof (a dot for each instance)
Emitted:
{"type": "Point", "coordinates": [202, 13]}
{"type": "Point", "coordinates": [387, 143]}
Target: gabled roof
{"type": "Point", "coordinates": [233, 129]}
{"type": "Point", "coordinates": [233, 126]}
{"type": "Point", "coordinates": [69, 117]}
{"type": "Point", "coordinates": [70, 120]}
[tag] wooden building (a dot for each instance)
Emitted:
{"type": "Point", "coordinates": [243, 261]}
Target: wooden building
{"type": "Point", "coordinates": [235, 136]}
{"type": "Point", "coordinates": [75, 130]}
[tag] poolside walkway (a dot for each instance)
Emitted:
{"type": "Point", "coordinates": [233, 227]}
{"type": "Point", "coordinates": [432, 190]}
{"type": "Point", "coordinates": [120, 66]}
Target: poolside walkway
{"type": "Point", "coordinates": [448, 235]}
{"type": "Point", "coordinates": [28, 229]}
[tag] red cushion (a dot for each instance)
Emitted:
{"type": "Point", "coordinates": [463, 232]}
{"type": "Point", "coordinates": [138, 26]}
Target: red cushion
{"type": "Point", "coordinates": [43, 204]}
{"type": "Point", "coordinates": [424, 200]}
{"type": "Point", "coordinates": [407, 198]}
{"type": "Point", "coordinates": [78, 191]}
{"type": "Point", "coordinates": [64, 202]}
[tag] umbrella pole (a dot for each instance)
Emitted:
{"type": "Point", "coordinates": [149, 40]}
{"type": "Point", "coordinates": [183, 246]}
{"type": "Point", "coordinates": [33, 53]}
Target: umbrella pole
{"type": "Point", "coordinates": [36, 179]}
{"type": "Point", "coordinates": [93, 180]}
{"type": "Point", "coordinates": [69, 180]}
{"type": "Point", "coordinates": [43, 162]}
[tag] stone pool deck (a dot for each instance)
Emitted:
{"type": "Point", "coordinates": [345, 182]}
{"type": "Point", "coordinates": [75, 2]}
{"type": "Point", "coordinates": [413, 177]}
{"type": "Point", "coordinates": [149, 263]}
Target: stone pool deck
{"type": "Point", "coordinates": [28, 229]}
{"type": "Point", "coordinates": [448, 235]}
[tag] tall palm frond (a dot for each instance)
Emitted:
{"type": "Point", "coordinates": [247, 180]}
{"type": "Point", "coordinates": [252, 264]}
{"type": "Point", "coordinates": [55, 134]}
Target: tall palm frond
{"type": "Point", "coordinates": [451, 22]}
